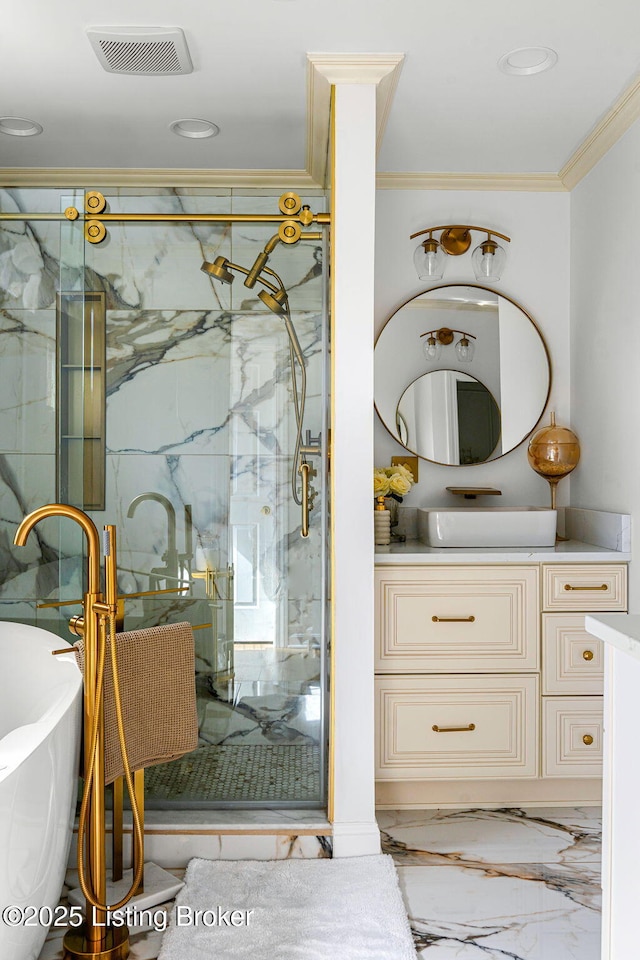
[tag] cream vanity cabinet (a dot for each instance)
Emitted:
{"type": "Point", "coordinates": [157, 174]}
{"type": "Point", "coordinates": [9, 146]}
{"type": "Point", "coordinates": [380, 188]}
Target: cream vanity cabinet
{"type": "Point", "coordinates": [485, 673]}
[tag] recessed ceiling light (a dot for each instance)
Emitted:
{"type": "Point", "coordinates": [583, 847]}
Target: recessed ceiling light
{"type": "Point", "coordinates": [527, 60]}
{"type": "Point", "coordinates": [19, 127]}
{"type": "Point", "coordinates": [195, 129]}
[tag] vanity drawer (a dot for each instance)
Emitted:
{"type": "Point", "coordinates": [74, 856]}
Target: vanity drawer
{"type": "Point", "coordinates": [445, 618]}
{"type": "Point", "coordinates": [456, 727]}
{"type": "Point", "coordinates": [584, 586]}
{"type": "Point", "coordinates": [572, 659]}
{"type": "Point", "coordinates": [572, 737]}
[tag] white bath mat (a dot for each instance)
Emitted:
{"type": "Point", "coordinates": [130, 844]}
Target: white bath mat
{"type": "Point", "coordinates": [344, 909]}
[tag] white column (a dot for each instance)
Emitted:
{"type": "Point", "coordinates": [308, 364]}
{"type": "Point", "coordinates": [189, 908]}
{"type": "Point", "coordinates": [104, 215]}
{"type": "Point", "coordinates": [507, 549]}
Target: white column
{"type": "Point", "coordinates": [354, 827]}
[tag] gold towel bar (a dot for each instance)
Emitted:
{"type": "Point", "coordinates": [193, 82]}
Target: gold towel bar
{"type": "Point", "coordinates": [122, 596]}
{"type": "Point", "coordinates": [71, 649]}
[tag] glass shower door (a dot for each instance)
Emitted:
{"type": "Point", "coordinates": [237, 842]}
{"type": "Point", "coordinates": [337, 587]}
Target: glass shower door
{"type": "Point", "coordinates": [41, 268]}
{"type": "Point", "coordinates": [201, 435]}
{"type": "Point", "coordinates": [136, 388]}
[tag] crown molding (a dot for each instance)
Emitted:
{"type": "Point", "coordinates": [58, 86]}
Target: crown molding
{"type": "Point", "coordinates": [613, 125]}
{"type": "Point", "coordinates": [530, 182]}
{"type": "Point", "coordinates": [325, 70]}
{"type": "Point", "coordinates": [152, 177]}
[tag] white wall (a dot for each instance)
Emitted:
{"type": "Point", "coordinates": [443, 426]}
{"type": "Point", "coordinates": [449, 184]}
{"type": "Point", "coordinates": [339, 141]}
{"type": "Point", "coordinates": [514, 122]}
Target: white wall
{"type": "Point", "coordinates": [536, 275]}
{"type": "Point", "coordinates": [605, 336]}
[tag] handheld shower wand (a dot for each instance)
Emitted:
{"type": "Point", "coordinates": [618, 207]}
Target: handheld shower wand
{"type": "Point", "coordinates": [274, 296]}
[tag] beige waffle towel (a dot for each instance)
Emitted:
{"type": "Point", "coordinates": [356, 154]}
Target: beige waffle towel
{"type": "Point", "coordinates": [156, 667]}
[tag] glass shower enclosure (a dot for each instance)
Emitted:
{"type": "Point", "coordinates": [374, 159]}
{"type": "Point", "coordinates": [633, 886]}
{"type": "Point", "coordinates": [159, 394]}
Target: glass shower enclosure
{"type": "Point", "coordinates": [139, 388]}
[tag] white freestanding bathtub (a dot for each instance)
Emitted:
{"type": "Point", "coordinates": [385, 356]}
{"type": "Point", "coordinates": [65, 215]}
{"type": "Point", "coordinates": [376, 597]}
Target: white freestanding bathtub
{"type": "Point", "coordinates": [40, 715]}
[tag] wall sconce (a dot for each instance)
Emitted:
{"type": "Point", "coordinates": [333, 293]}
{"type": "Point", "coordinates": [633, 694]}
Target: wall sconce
{"type": "Point", "coordinates": [487, 259]}
{"type": "Point", "coordinates": [436, 339]}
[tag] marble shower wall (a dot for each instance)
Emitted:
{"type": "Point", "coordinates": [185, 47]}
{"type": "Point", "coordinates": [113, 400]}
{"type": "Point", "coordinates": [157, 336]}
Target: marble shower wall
{"type": "Point", "coordinates": [199, 401]}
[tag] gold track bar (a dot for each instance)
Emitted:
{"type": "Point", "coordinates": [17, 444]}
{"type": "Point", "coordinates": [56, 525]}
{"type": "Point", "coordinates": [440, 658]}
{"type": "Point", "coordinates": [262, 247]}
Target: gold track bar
{"type": "Point", "coordinates": [320, 218]}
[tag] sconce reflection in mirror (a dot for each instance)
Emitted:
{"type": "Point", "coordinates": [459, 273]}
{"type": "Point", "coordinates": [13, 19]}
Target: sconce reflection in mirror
{"type": "Point", "coordinates": [488, 258]}
{"type": "Point", "coordinates": [436, 339]}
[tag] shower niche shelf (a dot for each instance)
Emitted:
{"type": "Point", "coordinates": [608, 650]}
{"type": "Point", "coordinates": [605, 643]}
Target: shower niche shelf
{"type": "Point", "coordinates": [81, 399]}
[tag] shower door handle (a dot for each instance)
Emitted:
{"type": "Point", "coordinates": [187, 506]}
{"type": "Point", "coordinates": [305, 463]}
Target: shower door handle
{"type": "Point", "coordinates": [304, 470]}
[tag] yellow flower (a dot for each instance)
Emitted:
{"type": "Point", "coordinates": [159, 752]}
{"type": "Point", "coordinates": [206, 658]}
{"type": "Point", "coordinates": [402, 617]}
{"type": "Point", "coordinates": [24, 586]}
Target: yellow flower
{"type": "Point", "coordinates": [399, 484]}
{"type": "Point", "coordinates": [380, 484]}
{"type": "Point", "coordinates": [404, 472]}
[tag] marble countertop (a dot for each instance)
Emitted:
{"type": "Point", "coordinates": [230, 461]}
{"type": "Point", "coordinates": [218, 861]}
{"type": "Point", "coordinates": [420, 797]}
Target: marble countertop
{"type": "Point", "coordinates": [569, 551]}
{"type": "Point", "coordinates": [621, 630]}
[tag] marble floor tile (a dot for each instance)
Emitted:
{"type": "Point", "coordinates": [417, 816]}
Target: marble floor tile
{"type": "Point", "coordinates": [461, 913]}
{"type": "Point", "coordinates": [508, 884]}
{"type": "Point", "coordinates": [509, 835]}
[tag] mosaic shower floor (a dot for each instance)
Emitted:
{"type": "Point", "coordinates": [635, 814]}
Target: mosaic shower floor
{"type": "Point", "coordinates": [249, 772]}
{"type": "Point", "coordinates": [509, 884]}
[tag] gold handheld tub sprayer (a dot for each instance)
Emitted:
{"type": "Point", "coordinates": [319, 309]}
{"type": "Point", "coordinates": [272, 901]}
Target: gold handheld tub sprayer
{"type": "Point", "coordinates": [95, 940]}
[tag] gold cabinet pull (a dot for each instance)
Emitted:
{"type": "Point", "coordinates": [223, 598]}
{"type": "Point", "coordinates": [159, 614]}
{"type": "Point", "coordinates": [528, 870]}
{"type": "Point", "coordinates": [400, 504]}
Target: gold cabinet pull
{"type": "Point", "coordinates": [587, 739]}
{"type": "Point", "coordinates": [438, 729]}
{"type": "Point", "coordinates": [303, 470]}
{"type": "Point", "coordinates": [587, 654]}
{"type": "Point", "coordinates": [569, 586]}
{"type": "Point", "coordinates": [453, 619]}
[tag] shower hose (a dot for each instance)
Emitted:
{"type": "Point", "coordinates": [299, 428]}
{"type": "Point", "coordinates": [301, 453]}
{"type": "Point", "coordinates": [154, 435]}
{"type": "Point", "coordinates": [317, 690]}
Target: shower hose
{"type": "Point", "coordinates": [90, 773]}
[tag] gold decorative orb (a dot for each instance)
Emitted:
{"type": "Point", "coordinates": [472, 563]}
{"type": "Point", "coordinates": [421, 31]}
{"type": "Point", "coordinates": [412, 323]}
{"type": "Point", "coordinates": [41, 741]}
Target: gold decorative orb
{"type": "Point", "coordinates": [553, 453]}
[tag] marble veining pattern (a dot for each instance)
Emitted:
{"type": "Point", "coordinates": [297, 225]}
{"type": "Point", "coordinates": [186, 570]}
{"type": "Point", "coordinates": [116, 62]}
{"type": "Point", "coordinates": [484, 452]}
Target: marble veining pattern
{"type": "Point", "coordinates": [476, 885]}
{"type": "Point", "coordinates": [199, 393]}
{"type": "Point", "coordinates": [612, 530]}
{"type": "Point", "coordinates": [508, 883]}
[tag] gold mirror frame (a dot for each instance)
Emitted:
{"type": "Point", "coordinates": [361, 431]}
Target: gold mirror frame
{"type": "Point", "coordinates": [495, 292]}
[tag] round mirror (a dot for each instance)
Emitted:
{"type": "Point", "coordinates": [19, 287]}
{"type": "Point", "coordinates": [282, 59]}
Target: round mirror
{"type": "Point", "coordinates": [462, 374]}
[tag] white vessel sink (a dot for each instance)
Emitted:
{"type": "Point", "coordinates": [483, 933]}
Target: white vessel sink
{"type": "Point", "coordinates": [487, 526]}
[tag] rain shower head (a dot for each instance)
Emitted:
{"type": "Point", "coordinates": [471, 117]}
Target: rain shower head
{"type": "Point", "coordinates": [218, 269]}
{"type": "Point", "coordinates": [277, 302]}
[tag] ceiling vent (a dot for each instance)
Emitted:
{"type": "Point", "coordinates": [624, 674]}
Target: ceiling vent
{"type": "Point", "coordinates": [145, 51]}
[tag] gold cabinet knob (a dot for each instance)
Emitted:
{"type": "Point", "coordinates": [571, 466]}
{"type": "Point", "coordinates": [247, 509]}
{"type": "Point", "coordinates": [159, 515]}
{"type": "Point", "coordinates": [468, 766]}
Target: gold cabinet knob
{"type": "Point", "coordinates": [587, 739]}
{"type": "Point", "coordinates": [587, 654]}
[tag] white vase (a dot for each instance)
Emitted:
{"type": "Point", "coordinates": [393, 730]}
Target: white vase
{"type": "Point", "coordinates": [382, 527]}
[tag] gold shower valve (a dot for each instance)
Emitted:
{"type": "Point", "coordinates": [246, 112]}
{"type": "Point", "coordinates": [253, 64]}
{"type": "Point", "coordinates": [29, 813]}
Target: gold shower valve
{"type": "Point", "coordinates": [94, 231]}
{"type": "Point", "coordinates": [76, 626]}
{"type": "Point", "coordinates": [289, 231]}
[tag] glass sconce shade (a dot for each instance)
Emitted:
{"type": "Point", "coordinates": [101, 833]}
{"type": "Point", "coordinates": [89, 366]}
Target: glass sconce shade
{"type": "Point", "coordinates": [465, 349]}
{"type": "Point", "coordinates": [429, 260]}
{"type": "Point", "coordinates": [431, 348]}
{"type": "Point", "coordinates": [488, 261]}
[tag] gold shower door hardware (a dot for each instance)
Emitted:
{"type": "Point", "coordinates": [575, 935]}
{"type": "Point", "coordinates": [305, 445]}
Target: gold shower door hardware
{"type": "Point", "coordinates": [304, 469]}
{"type": "Point", "coordinates": [81, 399]}
{"type": "Point", "coordinates": [292, 217]}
